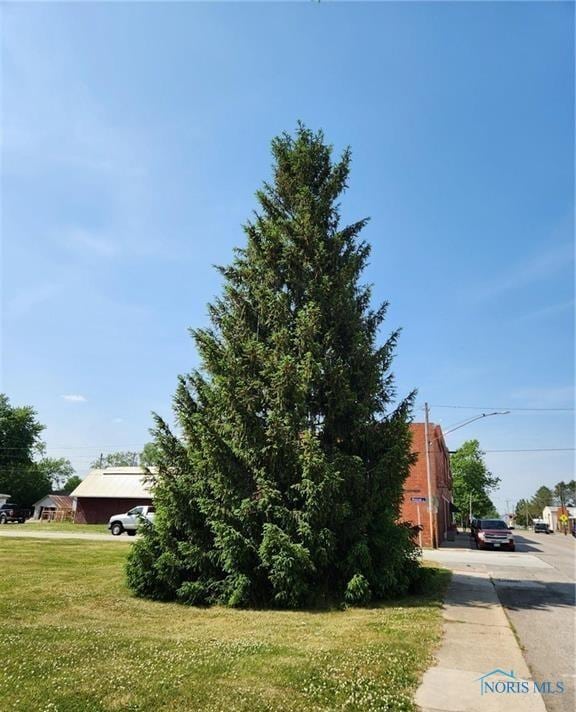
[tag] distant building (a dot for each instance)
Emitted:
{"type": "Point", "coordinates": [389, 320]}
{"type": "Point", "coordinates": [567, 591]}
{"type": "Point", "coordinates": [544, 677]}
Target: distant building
{"type": "Point", "coordinates": [416, 486]}
{"type": "Point", "coordinates": [550, 516]}
{"type": "Point", "coordinates": [4, 498]}
{"type": "Point", "coordinates": [57, 507]}
{"type": "Point", "coordinates": [113, 490]}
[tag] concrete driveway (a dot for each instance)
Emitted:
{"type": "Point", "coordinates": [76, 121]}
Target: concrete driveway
{"type": "Point", "coordinates": [536, 586]}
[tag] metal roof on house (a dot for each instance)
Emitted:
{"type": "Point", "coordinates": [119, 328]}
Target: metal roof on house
{"type": "Point", "coordinates": [60, 501]}
{"type": "Point", "coordinates": [118, 482]}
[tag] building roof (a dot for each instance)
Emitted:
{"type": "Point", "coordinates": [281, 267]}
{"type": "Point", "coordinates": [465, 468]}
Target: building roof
{"type": "Point", "coordinates": [60, 501]}
{"type": "Point", "coordinates": [121, 482]}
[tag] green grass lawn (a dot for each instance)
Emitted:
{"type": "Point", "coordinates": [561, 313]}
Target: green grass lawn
{"type": "Point", "coordinates": [74, 639]}
{"type": "Point", "coordinates": [61, 527]}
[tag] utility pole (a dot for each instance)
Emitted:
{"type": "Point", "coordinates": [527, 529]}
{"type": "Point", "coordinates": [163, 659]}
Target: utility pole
{"type": "Point", "coordinates": [428, 477]}
{"type": "Point", "coordinates": [428, 442]}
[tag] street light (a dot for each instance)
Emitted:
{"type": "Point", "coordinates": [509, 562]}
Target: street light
{"type": "Point", "coordinates": [477, 417]}
{"type": "Point", "coordinates": [428, 442]}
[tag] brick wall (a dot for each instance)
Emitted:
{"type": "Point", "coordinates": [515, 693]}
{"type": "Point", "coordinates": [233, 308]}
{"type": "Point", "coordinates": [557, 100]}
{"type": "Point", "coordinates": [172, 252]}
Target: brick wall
{"type": "Point", "coordinates": [441, 485]}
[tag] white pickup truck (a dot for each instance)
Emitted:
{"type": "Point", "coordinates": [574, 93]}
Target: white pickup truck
{"type": "Point", "coordinates": [130, 521]}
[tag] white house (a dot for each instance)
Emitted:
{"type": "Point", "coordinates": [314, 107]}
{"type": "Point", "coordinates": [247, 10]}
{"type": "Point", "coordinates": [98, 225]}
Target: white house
{"type": "Point", "coordinates": [550, 516]}
{"type": "Point", "coordinates": [4, 498]}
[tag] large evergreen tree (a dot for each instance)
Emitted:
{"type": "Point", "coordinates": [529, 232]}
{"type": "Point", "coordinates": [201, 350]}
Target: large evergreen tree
{"type": "Point", "coordinates": [284, 485]}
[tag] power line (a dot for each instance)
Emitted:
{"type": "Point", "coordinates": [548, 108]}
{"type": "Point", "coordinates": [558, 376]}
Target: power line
{"type": "Point", "coordinates": [474, 407]}
{"type": "Point", "coordinates": [537, 449]}
{"type": "Point", "coordinates": [534, 449]}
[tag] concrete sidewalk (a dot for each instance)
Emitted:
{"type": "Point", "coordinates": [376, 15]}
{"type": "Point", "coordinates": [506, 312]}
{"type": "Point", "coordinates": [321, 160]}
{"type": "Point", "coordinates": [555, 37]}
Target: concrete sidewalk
{"type": "Point", "coordinates": [477, 640]}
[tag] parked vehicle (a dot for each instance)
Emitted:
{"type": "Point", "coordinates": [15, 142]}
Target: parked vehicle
{"type": "Point", "coordinates": [540, 528]}
{"type": "Point", "coordinates": [493, 533]}
{"type": "Point", "coordinates": [10, 512]}
{"type": "Point", "coordinates": [130, 521]}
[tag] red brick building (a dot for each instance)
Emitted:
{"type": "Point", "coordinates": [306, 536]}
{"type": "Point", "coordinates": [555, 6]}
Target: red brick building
{"type": "Point", "coordinates": [416, 486]}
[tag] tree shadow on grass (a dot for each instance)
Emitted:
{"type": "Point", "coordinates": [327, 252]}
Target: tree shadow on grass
{"type": "Point", "coordinates": [427, 592]}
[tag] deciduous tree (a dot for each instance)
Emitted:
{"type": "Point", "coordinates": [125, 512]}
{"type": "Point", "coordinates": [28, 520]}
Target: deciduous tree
{"type": "Point", "coordinates": [472, 481]}
{"type": "Point", "coordinates": [149, 456]}
{"type": "Point", "coordinates": [71, 484]}
{"type": "Point", "coordinates": [57, 469]}
{"type": "Point", "coordinates": [20, 446]}
{"type": "Point", "coordinates": [117, 459]}
{"type": "Point", "coordinates": [525, 512]}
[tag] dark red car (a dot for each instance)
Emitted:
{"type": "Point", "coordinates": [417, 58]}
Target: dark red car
{"type": "Point", "coordinates": [493, 534]}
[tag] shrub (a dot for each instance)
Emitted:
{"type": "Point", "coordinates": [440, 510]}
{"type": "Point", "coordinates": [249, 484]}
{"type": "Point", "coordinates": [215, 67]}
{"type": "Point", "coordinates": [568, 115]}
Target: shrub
{"type": "Point", "coordinates": [357, 591]}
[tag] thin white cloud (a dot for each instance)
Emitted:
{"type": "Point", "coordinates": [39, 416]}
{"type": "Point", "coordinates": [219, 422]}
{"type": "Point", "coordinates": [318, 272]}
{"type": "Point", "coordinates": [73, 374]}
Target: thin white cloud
{"type": "Point", "coordinates": [93, 243]}
{"type": "Point", "coordinates": [117, 420]}
{"type": "Point", "coordinates": [29, 298]}
{"type": "Point", "coordinates": [546, 312]}
{"type": "Point", "coordinates": [74, 398]}
{"type": "Point", "coordinates": [542, 397]}
{"type": "Point", "coordinates": [539, 268]}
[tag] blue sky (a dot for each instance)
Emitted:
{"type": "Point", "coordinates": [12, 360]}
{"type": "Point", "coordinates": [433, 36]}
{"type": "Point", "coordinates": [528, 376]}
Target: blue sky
{"type": "Point", "coordinates": [135, 136]}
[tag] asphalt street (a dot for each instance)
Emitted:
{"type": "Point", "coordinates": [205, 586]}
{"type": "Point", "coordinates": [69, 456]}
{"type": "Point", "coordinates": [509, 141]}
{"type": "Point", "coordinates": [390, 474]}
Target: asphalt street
{"type": "Point", "coordinates": [540, 604]}
{"type": "Point", "coordinates": [536, 586]}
